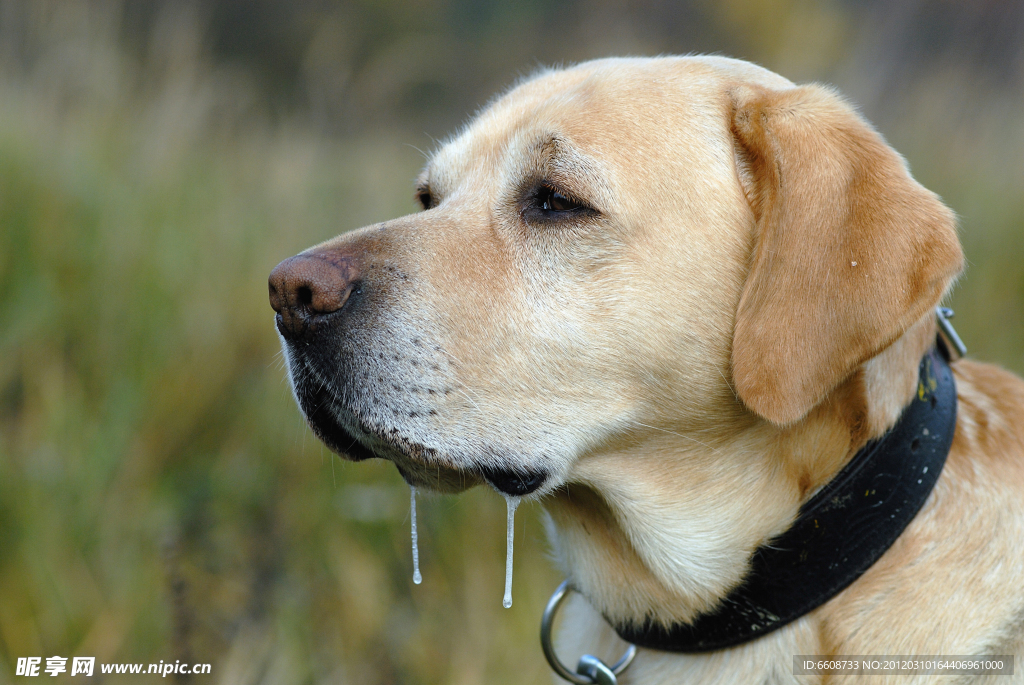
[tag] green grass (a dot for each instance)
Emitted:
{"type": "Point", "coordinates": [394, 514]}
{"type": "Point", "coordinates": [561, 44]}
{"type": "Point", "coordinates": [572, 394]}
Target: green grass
{"type": "Point", "coordinates": [160, 496]}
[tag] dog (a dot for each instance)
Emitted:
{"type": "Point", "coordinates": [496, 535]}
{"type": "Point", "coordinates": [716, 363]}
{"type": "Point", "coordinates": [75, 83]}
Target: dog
{"type": "Point", "coordinates": [672, 299]}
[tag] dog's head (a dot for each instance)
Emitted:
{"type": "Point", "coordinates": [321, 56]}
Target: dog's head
{"type": "Point", "coordinates": [606, 255]}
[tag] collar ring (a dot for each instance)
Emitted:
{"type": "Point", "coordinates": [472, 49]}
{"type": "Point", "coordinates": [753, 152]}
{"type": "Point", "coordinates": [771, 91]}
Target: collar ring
{"type": "Point", "coordinates": [590, 670]}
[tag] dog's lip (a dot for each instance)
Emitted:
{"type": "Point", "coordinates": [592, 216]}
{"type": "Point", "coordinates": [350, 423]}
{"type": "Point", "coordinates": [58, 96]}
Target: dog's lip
{"type": "Point", "coordinates": [514, 482]}
{"type": "Point", "coordinates": [318, 405]}
{"type": "Point", "coordinates": [440, 479]}
{"type": "Point", "coordinates": [359, 442]}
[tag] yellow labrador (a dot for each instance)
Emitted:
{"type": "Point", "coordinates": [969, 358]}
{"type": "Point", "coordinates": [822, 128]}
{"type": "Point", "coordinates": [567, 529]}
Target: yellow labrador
{"type": "Point", "coordinates": [671, 299]}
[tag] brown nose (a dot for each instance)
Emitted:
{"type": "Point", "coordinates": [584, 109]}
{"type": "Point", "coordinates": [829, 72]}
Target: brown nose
{"type": "Point", "coordinates": [306, 286]}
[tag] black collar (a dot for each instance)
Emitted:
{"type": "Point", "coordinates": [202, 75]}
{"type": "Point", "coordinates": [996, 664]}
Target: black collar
{"type": "Point", "coordinates": [838, 534]}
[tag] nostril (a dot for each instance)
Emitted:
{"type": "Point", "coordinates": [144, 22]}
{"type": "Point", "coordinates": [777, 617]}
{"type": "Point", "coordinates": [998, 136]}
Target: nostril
{"type": "Point", "coordinates": [307, 286]}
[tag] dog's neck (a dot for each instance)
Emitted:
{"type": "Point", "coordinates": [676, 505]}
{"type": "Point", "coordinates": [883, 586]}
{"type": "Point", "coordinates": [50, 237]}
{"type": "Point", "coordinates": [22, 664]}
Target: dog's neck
{"type": "Point", "coordinates": [664, 530]}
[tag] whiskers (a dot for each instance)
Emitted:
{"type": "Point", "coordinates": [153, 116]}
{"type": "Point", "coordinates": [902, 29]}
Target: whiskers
{"type": "Point", "coordinates": [279, 361]}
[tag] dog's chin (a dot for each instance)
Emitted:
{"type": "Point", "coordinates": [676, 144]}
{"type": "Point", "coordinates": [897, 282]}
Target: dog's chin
{"type": "Point", "coordinates": [348, 437]}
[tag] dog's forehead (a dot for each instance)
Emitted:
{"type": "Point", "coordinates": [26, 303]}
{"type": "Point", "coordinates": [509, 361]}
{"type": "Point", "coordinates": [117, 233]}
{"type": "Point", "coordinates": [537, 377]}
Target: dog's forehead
{"type": "Point", "coordinates": [594, 108]}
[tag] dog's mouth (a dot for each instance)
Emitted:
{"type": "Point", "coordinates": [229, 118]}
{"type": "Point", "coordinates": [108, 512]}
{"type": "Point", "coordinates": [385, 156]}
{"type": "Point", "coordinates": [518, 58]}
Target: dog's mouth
{"type": "Point", "coordinates": [347, 434]}
{"type": "Point", "coordinates": [320, 409]}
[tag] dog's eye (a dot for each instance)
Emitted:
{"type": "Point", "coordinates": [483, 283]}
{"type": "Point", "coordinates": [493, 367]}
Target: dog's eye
{"type": "Point", "coordinates": [553, 201]}
{"type": "Point", "coordinates": [425, 198]}
{"type": "Point", "coordinates": [544, 204]}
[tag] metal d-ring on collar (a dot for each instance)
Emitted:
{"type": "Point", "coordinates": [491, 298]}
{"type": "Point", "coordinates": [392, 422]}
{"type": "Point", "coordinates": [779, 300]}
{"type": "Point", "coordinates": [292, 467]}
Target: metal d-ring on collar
{"type": "Point", "coordinates": [590, 670]}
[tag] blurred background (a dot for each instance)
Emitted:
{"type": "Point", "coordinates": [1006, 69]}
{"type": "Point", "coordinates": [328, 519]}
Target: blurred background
{"type": "Point", "coordinates": [160, 496]}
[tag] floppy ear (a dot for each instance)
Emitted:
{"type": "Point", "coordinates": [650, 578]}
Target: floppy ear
{"type": "Point", "coordinates": [849, 249]}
